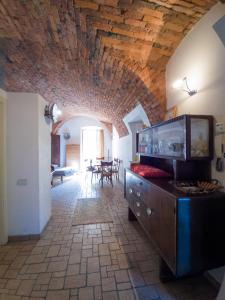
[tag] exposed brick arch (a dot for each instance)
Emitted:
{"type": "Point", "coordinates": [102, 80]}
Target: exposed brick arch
{"type": "Point", "coordinates": [98, 57]}
{"type": "Point", "coordinates": [56, 126]}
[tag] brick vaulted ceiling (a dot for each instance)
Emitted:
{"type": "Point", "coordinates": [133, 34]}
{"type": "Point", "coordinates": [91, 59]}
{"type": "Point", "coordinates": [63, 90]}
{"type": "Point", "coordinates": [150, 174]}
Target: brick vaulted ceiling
{"type": "Point", "coordinates": [99, 57]}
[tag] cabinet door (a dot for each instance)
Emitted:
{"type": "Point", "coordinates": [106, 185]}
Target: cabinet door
{"type": "Point", "coordinates": [200, 145]}
{"type": "Point", "coordinates": [153, 205]}
{"type": "Point", "coordinates": [169, 139]}
{"type": "Point", "coordinates": [73, 155]}
{"type": "Point", "coordinates": [168, 229]}
{"type": "Point", "coordinates": [144, 142]}
{"type": "Point", "coordinates": [162, 223]}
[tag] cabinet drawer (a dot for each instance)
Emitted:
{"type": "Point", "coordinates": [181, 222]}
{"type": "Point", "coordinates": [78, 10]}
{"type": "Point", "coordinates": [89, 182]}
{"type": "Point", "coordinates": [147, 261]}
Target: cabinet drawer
{"type": "Point", "coordinates": [130, 191]}
{"type": "Point", "coordinates": [138, 184]}
{"type": "Point", "coordinates": [142, 213]}
{"type": "Point", "coordinates": [155, 210]}
{"type": "Point", "coordinates": [129, 196]}
{"type": "Point", "coordinates": [134, 185]}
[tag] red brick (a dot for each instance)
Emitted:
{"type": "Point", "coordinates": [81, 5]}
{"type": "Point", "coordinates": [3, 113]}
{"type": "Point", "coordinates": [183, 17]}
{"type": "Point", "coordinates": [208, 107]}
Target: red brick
{"type": "Point", "coordinates": [98, 58]}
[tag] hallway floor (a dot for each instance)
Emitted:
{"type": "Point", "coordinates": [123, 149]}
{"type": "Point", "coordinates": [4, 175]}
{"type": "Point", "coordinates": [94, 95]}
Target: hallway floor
{"type": "Point", "coordinates": [100, 261]}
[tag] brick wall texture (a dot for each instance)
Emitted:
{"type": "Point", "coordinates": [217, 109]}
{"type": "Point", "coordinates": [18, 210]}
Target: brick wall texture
{"type": "Point", "coordinates": [98, 58]}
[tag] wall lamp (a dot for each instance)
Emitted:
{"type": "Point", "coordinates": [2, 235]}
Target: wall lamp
{"type": "Point", "coordinates": [52, 112]}
{"type": "Point", "coordinates": [182, 84]}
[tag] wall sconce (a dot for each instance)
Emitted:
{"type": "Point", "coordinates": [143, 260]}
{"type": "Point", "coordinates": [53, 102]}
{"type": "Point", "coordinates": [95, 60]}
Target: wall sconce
{"type": "Point", "coordinates": [182, 85]}
{"type": "Point", "coordinates": [66, 134]}
{"type": "Point", "coordinates": [52, 112]}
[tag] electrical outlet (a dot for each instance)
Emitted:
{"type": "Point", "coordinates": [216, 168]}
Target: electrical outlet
{"type": "Point", "coordinates": [21, 181]}
{"type": "Point", "coordinates": [220, 127]}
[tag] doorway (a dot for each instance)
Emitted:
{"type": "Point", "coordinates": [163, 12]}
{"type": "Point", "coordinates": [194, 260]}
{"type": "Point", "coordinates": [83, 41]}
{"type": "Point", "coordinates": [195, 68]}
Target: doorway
{"type": "Point", "coordinates": [3, 207]}
{"type": "Point", "coordinates": [92, 145]}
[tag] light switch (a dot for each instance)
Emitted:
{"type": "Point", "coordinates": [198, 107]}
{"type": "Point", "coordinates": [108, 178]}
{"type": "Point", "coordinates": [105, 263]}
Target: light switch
{"type": "Point", "coordinates": [220, 127]}
{"type": "Point", "coordinates": [21, 181]}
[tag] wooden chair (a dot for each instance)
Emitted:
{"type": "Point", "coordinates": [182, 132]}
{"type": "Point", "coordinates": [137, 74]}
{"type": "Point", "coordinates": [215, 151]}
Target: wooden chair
{"type": "Point", "coordinates": [96, 171]}
{"type": "Point", "coordinates": [116, 168]}
{"type": "Point", "coordinates": [106, 172]}
{"type": "Point", "coordinates": [89, 168]}
{"type": "Point", "coordinates": [99, 159]}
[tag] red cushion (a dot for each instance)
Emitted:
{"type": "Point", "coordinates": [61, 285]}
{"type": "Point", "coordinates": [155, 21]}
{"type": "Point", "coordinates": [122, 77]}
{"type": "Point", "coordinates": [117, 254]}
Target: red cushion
{"type": "Point", "coordinates": [149, 171]}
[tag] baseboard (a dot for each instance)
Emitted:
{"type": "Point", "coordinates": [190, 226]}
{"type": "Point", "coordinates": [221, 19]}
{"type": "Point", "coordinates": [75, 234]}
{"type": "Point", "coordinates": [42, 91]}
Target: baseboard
{"type": "Point", "coordinates": [212, 280]}
{"type": "Point", "coordinates": [27, 237]}
{"type": "Point", "coordinates": [20, 238]}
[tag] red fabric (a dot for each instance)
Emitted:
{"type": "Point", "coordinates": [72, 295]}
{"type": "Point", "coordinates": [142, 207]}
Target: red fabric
{"type": "Point", "coordinates": [149, 171]}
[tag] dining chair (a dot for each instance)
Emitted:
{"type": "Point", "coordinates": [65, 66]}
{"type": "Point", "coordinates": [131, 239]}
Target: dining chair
{"type": "Point", "coordinates": [116, 168]}
{"type": "Point", "coordinates": [106, 172]}
{"type": "Point", "coordinates": [99, 159]}
{"type": "Point", "coordinates": [96, 171]}
{"type": "Point", "coordinates": [90, 167]}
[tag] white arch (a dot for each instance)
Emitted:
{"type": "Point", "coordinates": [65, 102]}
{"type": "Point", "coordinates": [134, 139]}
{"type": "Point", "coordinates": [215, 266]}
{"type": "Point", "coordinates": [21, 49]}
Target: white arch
{"type": "Point", "coordinates": [138, 114]}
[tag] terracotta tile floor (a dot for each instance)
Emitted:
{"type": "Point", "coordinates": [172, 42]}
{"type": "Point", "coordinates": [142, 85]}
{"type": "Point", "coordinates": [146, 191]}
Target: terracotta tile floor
{"type": "Point", "coordinates": [100, 261]}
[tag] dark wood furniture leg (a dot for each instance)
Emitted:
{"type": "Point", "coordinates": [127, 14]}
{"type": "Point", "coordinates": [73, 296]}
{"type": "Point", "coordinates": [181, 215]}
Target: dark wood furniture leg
{"type": "Point", "coordinates": [165, 274]}
{"type": "Point", "coordinates": [101, 180]}
{"type": "Point", "coordinates": [131, 215]}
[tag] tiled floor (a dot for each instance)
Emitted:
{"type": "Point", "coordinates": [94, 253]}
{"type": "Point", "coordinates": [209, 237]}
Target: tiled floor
{"type": "Point", "coordinates": [101, 261]}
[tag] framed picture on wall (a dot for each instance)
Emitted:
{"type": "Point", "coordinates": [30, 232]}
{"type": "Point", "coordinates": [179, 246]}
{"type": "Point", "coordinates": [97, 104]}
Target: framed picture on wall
{"type": "Point", "coordinates": [171, 113]}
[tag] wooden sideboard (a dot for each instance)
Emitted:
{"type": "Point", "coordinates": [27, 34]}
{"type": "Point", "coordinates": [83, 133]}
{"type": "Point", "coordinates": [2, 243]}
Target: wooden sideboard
{"type": "Point", "coordinates": [188, 232]}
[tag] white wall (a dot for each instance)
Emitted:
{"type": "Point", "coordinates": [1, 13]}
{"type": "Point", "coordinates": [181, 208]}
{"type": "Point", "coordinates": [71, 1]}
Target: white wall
{"type": "Point", "coordinates": [122, 149]}
{"type": "Point", "coordinates": [27, 134]}
{"type": "Point", "coordinates": [3, 172]}
{"type": "Point", "coordinates": [125, 148]}
{"type": "Point", "coordinates": [44, 152]}
{"type": "Point", "coordinates": [135, 127]}
{"type": "Point", "coordinates": [22, 141]}
{"type": "Point", "coordinates": [74, 126]}
{"type": "Point", "coordinates": [201, 57]}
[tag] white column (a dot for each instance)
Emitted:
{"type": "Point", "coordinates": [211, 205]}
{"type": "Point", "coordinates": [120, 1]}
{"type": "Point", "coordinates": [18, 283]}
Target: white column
{"type": "Point", "coordinates": [3, 198]}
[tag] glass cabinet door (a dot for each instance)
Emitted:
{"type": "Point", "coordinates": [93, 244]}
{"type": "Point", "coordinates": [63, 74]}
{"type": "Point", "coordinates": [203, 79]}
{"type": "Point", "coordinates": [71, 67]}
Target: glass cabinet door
{"type": "Point", "coordinates": [171, 139]}
{"type": "Point", "coordinates": [187, 137]}
{"type": "Point", "coordinates": [145, 142]}
{"type": "Point", "coordinates": [199, 137]}
{"type": "Point", "coordinates": [155, 144]}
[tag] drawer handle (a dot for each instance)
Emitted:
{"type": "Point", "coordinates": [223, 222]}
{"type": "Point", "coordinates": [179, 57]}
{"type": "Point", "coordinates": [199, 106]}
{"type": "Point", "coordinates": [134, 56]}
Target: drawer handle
{"type": "Point", "coordinates": [139, 194]}
{"type": "Point", "coordinates": [138, 214]}
{"type": "Point", "coordinates": [130, 191]}
{"type": "Point", "coordinates": [138, 204]}
{"type": "Point", "coordinates": [149, 211]}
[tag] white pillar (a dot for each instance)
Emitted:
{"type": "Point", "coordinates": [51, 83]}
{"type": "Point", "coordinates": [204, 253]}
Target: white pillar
{"type": "Point", "coordinates": [3, 198]}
